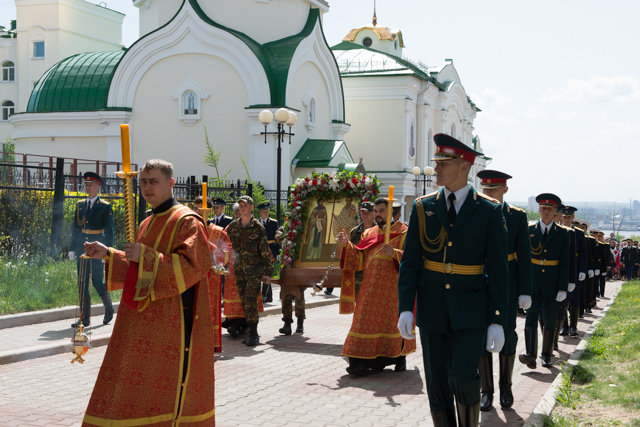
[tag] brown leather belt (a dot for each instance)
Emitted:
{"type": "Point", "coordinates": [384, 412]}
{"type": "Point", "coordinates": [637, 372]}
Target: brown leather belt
{"type": "Point", "coordinates": [545, 261]}
{"type": "Point", "coordinates": [449, 268]}
{"type": "Point", "coordinates": [85, 231]}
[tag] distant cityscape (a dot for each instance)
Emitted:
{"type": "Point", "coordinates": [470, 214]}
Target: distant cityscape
{"type": "Point", "coordinates": [623, 218]}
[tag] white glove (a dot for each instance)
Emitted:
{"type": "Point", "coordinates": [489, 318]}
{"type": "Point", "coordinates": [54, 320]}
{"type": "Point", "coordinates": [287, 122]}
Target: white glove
{"type": "Point", "coordinates": [72, 255]}
{"type": "Point", "coordinates": [571, 287]}
{"type": "Point", "coordinates": [581, 276]}
{"type": "Point", "coordinates": [405, 325]}
{"type": "Point", "coordinates": [562, 295]}
{"type": "Point", "coordinates": [495, 338]}
{"type": "Point", "coordinates": [597, 272]}
{"type": "Point", "coordinates": [524, 301]}
{"type": "Point", "coordinates": [590, 273]}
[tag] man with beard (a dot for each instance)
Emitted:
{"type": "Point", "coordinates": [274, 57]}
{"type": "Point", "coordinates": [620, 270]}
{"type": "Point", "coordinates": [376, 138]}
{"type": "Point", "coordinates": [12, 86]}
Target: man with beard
{"type": "Point", "coordinates": [373, 341]}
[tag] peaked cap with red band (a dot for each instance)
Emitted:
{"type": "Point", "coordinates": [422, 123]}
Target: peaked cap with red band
{"type": "Point", "coordinates": [492, 178]}
{"type": "Point", "coordinates": [92, 176]}
{"type": "Point", "coordinates": [447, 148]}
{"type": "Point", "coordinates": [548, 199]}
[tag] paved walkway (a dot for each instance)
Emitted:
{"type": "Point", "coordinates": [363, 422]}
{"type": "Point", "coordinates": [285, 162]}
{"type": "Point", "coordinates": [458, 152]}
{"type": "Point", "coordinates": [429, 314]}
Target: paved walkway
{"type": "Point", "coordinates": [294, 380]}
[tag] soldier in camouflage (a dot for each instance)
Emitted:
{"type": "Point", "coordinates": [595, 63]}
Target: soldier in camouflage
{"type": "Point", "coordinates": [252, 262]}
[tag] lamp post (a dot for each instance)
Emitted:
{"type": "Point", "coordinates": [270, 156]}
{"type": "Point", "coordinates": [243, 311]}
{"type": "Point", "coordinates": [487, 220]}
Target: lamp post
{"type": "Point", "coordinates": [424, 176]}
{"type": "Point", "coordinates": [283, 117]}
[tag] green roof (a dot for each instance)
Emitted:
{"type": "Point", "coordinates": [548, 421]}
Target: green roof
{"type": "Point", "coordinates": [318, 152]}
{"type": "Point", "coordinates": [78, 83]}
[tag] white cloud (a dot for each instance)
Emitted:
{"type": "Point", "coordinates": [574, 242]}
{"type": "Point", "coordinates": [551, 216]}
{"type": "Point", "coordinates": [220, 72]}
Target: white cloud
{"type": "Point", "coordinates": [534, 114]}
{"type": "Point", "coordinates": [569, 115]}
{"type": "Point", "coordinates": [491, 99]}
{"type": "Point", "coordinates": [597, 90]}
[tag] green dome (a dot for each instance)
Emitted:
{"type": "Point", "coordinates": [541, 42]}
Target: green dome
{"type": "Point", "coordinates": [78, 83]}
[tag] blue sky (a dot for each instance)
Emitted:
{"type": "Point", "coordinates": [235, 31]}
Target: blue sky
{"type": "Point", "coordinates": [558, 82]}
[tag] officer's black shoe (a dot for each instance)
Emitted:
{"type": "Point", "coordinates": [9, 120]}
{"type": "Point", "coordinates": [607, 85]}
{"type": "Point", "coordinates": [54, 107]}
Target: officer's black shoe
{"type": "Point", "coordinates": [443, 417]}
{"type": "Point", "coordinates": [485, 368]}
{"type": "Point", "coordinates": [468, 415]}
{"type": "Point", "coordinates": [286, 329]}
{"type": "Point", "coordinates": [531, 345]}
{"type": "Point", "coordinates": [547, 344]}
{"type": "Point", "coordinates": [573, 332]}
{"type": "Point", "coordinates": [587, 310]}
{"type": "Point", "coordinates": [564, 330]}
{"type": "Point", "coordinates": [108, 309]}
{"type": "Point", "coordinates": [252, 339]}
{"type": "Point", "coordinates": [401, 364]}
{"type": "Point", "coordinates": [85, 324]}
{"type": "Point", "coordinates": [300, 327]}
{"type": "Point", "coordinates": [506, 372]}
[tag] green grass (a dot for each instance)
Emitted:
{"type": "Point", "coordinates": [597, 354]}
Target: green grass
{"type": "Point", "coordinates": [604, 387]}
{"type": "Point", "coordinates": [38, 284]}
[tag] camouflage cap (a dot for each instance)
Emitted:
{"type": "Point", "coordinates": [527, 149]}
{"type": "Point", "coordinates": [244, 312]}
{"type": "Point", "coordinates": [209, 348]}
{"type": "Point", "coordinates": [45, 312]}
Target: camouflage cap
{"type": "Point", "coordinates": [246, 199]}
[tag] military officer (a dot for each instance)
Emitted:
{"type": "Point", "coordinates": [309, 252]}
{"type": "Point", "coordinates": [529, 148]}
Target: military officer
{"type": "Point", "coordinates": [573, 299]}
{"type": "Point", "coordinates": [494, 184]}
{"type": "Point", "coordinates": [573, 277]}
{"type": "Point", "coordinates": [455, 264]}
{"type": "Point", "coordinates": [92, 221]}
{"type": "Point", "coordinates": [550, 246]}
{"type": "Point", "coordinates": [271, 227]}
{"type": "Point", "coordinates": [592, 266]}
{"type": "Point", "coordinates": [252, 262]}
{"type": "Point", "coordinates": [219, 218]}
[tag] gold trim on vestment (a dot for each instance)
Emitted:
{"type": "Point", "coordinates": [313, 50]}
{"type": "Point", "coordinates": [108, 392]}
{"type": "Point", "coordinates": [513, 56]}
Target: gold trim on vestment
{"type": "Point", "coordinates": [379, 335]}
{"type": "Point", "coordinates": [104, 422]}
{"type": "Point", "coordinates": [545, 261]}
{"type": "Point", "coordinates": [449, 268]}
{"type": "Point", "coordinates": [86, 231]}
{"type": "Point", "coordinates": [177, 271]}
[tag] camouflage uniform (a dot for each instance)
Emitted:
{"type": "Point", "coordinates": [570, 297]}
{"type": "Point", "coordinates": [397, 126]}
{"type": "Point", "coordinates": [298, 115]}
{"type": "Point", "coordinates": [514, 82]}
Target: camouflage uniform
{"type": "Point", "coordinates": [252, 261]}
{"type": "Point", "coordinates": [287, 300]}
{"type": "Point", "coordinates": [354, 237]}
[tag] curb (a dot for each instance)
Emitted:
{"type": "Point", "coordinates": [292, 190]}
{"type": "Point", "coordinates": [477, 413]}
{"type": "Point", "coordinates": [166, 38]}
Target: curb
{"type": "Point", "coordinates": [548, 401]}
{"type": "Point", "coordinates": [96, 340]}
{"type": "Point", "coordinates": [51, 315]}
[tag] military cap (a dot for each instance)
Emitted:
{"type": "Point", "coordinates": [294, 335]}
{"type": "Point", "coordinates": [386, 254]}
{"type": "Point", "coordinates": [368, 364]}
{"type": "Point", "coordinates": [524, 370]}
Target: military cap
{"type": "Point", "coordinates": [560, 208]}
{"type": "Point", "coordinates": [217, 201]}
{"type": "Point", "coordinates": [548, 199]}
{"type": "Point", "coordinates": [264, 206]}
{"type": "Point", "coordinates": [396, 204]}
{"type": "Point", "coordinates": [493, 178]}
{"type": "Point", "coordinates": [447, 148]}
{"type": "Point", "coordinates": [569, 210]}
{"type": "Point", "coordinates": [366, 206]}
{"type": "Point", "coordinates": [92, 176]}
{"type": "Point", "coordinates": [246, 199]}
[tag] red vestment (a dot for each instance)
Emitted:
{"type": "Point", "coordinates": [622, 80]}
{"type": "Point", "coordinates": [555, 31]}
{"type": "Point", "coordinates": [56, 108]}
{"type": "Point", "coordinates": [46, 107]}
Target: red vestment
{"type": "Point", "coordinates": [141, 378]}
{"type": "Point", "coordinates": [374, 332]}
{"type": "Point", "coordinates": [221, 257]}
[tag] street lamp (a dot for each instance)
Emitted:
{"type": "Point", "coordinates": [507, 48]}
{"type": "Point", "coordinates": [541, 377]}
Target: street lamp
{"type": "Point", "coordinates": [283, 117]}
{"type": "Point", "coordinates": [424, 176]}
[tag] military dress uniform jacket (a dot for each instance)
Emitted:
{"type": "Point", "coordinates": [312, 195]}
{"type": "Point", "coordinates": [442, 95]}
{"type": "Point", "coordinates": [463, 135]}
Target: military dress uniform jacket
{"type": "Point", "coordinates": [96, 226]}
{"type": "Point", "coordinates": [518, 250]}
{"type": "Point", "coordinates": [592, 252]}
{"type": "Point", "coordinates": [627, 257]}
{"type": "Point", "coordinates": [459, 274]}
{"type": "Point", "coordinates": [550, 259]}
{"type": "Point", "coordinates": [271, 227]}
{"type": "Point", "coordinates": [581, 251]}
{"type": "Point", "coordinates": [573, 261]}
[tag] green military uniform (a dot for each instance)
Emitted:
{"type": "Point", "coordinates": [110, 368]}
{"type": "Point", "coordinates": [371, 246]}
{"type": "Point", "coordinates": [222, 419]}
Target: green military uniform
{"type": "Point", "coordinates": [459, 276]}
{"type": "Point", "coordinates": [89, 225]}
{"type": "Point", "coordinates": [550, 256]}
{"type": "Point", "coordinates": [252, 261]}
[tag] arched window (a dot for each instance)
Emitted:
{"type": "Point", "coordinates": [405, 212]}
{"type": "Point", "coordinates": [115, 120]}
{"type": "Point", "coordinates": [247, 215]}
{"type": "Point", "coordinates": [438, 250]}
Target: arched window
{"type": "Point", "coordinates": [8, 109]}
{"type": "Point", "coordinates": [453, 130]}
{"type": "Point", "coordinates": [190, 103]}
{"type": "Point", "coordinates": [312, 111]}
{"type": "Point", "coordinates": [8, 71]}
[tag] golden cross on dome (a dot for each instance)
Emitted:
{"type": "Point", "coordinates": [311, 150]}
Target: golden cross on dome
{"type": "Point", "coordinates": [375, 19]}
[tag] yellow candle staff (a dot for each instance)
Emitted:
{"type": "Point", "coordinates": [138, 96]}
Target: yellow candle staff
{"type": "Point", "coordinates": [127, 176]}
{"type": "Point", "coordinates": [204, 195]}
{"type": "Point", "coordinates": [387, 230]}
{"type": "Point", "coordinates": [126, 151]}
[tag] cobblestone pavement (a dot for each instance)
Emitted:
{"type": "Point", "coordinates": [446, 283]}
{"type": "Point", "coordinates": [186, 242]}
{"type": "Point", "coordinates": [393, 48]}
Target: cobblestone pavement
{"type": "Point", "coordinates": [286, 380]}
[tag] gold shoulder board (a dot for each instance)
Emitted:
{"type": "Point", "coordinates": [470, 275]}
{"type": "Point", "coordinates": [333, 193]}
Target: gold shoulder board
{"type": "Point", "coordinates": [484, 196]}
{"type": "Point", "coordinates": [427, 195]}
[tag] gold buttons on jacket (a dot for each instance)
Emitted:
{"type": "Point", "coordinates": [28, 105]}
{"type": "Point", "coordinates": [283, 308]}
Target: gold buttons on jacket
{"type": "Point", "coordinates": [543, 270]}
{"type": "Point", "coordinates": [497, 312]}
{"type": "Point", "coordinates": [447, 286]}
{"type": "Point", "coordinates": [449, 244]}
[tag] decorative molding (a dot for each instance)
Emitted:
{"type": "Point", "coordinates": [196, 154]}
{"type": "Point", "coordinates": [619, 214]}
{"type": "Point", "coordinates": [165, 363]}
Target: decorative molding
{"type": "Point", "coordinates": [190, 85]}
{"type": "Point", "coordinates": [83, 124]}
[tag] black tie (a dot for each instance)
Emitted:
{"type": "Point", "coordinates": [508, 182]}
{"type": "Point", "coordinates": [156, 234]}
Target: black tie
{"type": "Point", "coordinates": [452, 208]}
{"type": "Point", "coordinates": [545, 234]}
{"type": "Point", "coordinates": [88, 207]}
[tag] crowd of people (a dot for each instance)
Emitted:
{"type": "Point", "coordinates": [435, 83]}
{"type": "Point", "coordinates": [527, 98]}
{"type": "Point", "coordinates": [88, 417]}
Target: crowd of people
{"type": "Point", "coordinates": [462, 269]}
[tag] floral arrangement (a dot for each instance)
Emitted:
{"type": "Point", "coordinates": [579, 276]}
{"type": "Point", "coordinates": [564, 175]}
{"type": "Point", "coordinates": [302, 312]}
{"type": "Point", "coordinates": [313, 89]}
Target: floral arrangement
{"type": "Point", "coordinates": [342, 184]}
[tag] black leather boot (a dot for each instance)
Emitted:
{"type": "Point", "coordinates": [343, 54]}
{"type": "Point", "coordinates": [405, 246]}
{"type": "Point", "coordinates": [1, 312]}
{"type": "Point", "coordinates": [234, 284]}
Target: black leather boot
{"type": "Point", "coordinates": [468, 415]}
{"type": "Point", "coordinates": [234, 328]}
{"type": "Point", "coordinates": [286, 329]}
{"type": "Point", "coordinates": [556, 335]}
{"type": "Point", "coordinates": [108, 309]}
{"type": "Point", "coordinates": [401, 364]}
{"type": "Point", "coordinates": [547, 344]}
{"type": "Point", "coordinates": [300, 327]}
{"type": "Point", "coordinates": [531, 345]}
{"type": "Point", "coordinates": [485, 368]}
{"type": "Point", "coordinates": [357, 368]}
{"type": "Point", "coordinates": [563, 328]}
{"type": "Point", "coordinates": [443, 417]}
{"type": "Point", "coordinates": [573, 321]}
{"type": "Point", "coordinates": [252, 339]}
{"type": "Point", "coordinates": [506, 371]}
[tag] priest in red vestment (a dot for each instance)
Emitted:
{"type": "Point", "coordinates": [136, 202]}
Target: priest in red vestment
{"type": "Point", "coordinates": [373, 341]}
{"type": "Point", "coordinates": [158, 368]}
